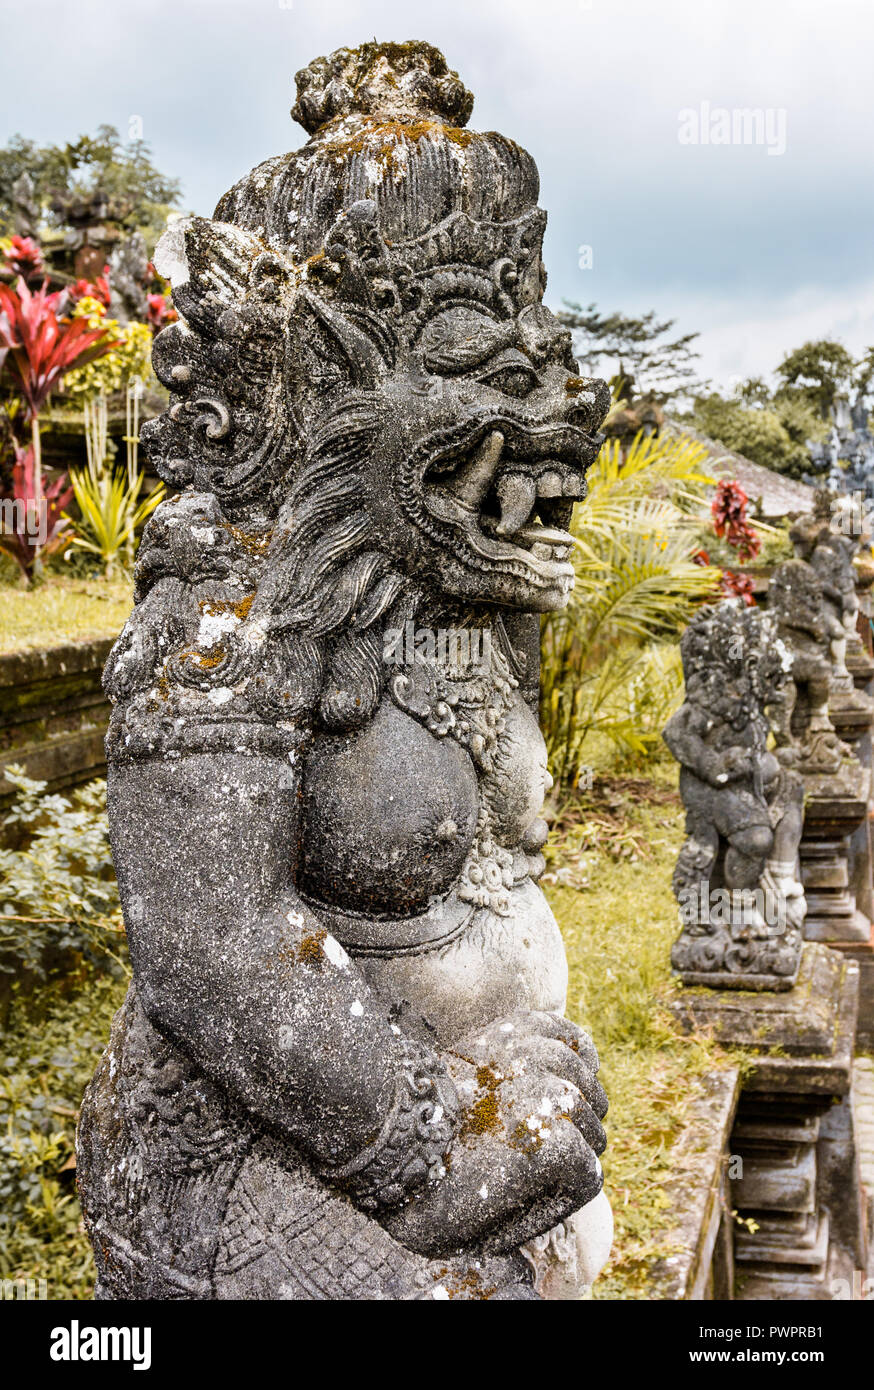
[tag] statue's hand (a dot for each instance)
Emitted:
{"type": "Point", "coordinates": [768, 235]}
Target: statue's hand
{"type": "Point", "coordinates": [732, 764]}
{"type": "Point", "coordinates": [525, 1155]}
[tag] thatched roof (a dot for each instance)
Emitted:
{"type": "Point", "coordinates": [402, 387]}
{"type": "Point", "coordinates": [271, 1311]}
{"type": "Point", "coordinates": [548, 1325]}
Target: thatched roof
{"type": "Point", "coordinates": [771, 494]}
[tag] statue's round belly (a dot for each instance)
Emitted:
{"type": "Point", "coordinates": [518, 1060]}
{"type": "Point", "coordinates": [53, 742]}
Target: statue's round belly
{"type": "Point", "coordinates": [497, 965]}
{"type": "Point", "coordinates": [389, 816]}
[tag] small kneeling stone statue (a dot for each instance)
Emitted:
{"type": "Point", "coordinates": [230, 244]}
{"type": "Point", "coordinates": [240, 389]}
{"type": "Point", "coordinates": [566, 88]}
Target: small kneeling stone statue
{"type": "Point", "coordinates": [737, 876]}
{"type": "Point", "coordinates": [342, 1069]}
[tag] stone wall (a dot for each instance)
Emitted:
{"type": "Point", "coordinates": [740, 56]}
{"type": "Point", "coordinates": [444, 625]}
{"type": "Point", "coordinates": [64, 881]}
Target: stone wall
{"type": "Point", "coordinates": [53, 713]}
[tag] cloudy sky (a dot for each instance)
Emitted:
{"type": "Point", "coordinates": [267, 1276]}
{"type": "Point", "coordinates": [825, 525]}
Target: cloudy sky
{"type": "Point", "coordinates": [757, 250]}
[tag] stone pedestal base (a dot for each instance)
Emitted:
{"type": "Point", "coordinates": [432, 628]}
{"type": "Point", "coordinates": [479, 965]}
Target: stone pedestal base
{"type": "Point", "coordinates": [835, 807]}
{"type": "Point", "coordinates": [795, 1182]}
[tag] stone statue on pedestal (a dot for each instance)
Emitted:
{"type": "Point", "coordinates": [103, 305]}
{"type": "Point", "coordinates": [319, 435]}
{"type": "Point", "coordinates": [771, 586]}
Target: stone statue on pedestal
{"type": "Point", "coordinates": [809, 631]}
{"type": "Point", "coordinates": [342, 1069]}
{"type": "Point", "coordinates": [736, 879]}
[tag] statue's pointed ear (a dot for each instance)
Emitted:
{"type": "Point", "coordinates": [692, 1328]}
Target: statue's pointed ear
{"type": "Point", "coordinates": [328, 352]}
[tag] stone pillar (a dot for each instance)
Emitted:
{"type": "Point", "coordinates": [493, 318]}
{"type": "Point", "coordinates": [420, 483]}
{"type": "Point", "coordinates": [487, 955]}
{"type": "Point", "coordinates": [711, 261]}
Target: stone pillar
{"type": "Point", "coordinates": [800, 1222]}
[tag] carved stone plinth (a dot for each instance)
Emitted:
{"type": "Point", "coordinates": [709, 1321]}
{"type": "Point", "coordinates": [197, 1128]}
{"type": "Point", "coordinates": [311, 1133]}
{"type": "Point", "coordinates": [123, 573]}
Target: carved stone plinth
{"type": "Point", "coordinates": [835, 809]}
{"type": "Point", "coordinates": [795, 1181]}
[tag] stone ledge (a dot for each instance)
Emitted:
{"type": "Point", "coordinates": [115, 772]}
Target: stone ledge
{"type": "Point", "coordinates": [702, 1268]}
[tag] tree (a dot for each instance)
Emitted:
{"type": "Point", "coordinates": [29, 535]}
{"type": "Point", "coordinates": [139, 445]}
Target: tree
{"type": "Point", "coordinates": [820, 370]}
{"type": "Point", "coordinates": [757, 432]}
{"type": "Point", "coordinates": [124, 172]}
{"type": "Point", "coordinates": [660, 366]}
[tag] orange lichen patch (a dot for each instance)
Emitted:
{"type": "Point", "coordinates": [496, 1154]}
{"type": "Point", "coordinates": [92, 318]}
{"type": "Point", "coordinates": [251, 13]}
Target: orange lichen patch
{"type": "Point", "coordinates": [253, 545]}
{"type": "Point", "coordinates": [574, 385]}
{"type": "Point", "coordinates": [202, 660]}
{"type": "Point", "coordinates": [382, 140]}
{"type": "Point", "coordinates": [468, 1286]}
{"type": "Point", "coordinates": [484, 1116]}
{"type": "Point", "coordinates": [525, 1140]}
{"type": "Point", "coordinates": [309, 948]}
{"type": "Point", "coordinates": [214, 607]}
{"type": "Point", "coordinates": [305, 950]}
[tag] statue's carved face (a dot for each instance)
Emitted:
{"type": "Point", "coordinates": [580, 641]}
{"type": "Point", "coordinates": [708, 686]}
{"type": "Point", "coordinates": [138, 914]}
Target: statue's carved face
{"type": "Point", "coordinates": [441, 406]}
{"type": "Point", "coordinates": [485, 433]}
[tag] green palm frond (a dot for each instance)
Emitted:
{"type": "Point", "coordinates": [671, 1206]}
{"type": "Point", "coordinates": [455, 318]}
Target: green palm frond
{"type": "Point", "coordinates": [611, 654]}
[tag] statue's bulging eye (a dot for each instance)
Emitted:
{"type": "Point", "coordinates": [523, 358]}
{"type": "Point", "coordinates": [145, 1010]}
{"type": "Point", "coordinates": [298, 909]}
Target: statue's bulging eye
{"type": "Point", "coordinates": [515, 380]}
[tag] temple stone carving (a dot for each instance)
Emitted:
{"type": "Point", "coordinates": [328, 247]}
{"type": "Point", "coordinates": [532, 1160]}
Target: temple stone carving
{"type": "Point", "coordinates": [815, 602]}
{"type": "Point", "coordinates": [342, 1069]}
{"type": "Point", "coordinates": [737, 878]}
{"type": "Point", "coordinates": [754, 719]}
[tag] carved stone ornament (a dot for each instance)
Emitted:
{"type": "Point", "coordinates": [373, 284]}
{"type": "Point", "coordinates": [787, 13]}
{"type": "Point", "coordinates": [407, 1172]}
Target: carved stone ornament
{"type": "Point", "coordinates": [737, 879]}
{"type": "Point", "coordinates": [343, 1070]}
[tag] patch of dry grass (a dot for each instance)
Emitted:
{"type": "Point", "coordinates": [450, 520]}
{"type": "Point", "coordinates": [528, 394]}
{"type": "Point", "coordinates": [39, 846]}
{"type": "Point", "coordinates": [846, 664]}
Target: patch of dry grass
{"type": "Point", "coordinates": [61, 609]}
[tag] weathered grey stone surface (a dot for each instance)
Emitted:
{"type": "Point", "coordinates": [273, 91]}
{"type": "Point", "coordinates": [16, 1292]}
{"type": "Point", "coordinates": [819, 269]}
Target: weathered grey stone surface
{"type": "Point", "coordinates": [699, 1236]}
{"type": "Point", "coordinates": [736, 880]}
{"type": "Point", "coordinates": [342, 1069]}
{"type": "Point", "coordinates": [795, 1181]}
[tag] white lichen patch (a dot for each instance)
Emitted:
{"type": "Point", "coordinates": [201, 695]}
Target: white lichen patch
{"type": "Point", "coordinates": [335, 953]}
{"type": "Point", "coordinates": [216, 625]}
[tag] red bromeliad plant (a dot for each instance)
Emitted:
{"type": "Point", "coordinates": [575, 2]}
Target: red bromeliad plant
{"type": "Point", "coordinates": [729, 509]}
{"type": "Point", "coordinates": [32, 524]}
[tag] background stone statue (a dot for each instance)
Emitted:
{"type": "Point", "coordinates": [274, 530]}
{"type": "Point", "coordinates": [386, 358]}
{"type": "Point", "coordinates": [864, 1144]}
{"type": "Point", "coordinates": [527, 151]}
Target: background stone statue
{"type": "Point", "coordinates": [342, 1069]}
{"type": "Point", "coordinates": [809, 630]}
{"type": "Point", "coordinates": [736, 878]}
{"type": "Point", "coordinates": [128, 276]}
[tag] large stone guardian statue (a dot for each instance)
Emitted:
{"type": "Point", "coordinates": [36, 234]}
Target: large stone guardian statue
{"type": "Point", "coordinates": [342, 1069]}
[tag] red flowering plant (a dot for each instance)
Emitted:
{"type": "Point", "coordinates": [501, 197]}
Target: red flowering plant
{"type": "Point", "coordinates": [32, 524]}
{"type": "Point", "coordinates": [91, 289]}
{"type": "Point", "coordinates": [734, 585]}
{"type": "Point", "coordinates": [38, 346]}
{"type": "Point", "coordinates": [729, 511]}
{"type": "Point", "coordinates": [21, 256]}
{"type": "Point", "coordinates": [160, 312]}
{"type": "Point", "coordinates": [731, 526]}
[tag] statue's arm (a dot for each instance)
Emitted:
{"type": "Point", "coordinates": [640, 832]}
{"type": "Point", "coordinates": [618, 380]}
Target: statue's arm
{"type": "Point", "coordinates": [232, 964]}
{"type": "Point", "coordinates": [683, 735]}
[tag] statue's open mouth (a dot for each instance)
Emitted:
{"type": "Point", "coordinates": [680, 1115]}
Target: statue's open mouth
{"type": "Point", "coordinates": [512, 489]}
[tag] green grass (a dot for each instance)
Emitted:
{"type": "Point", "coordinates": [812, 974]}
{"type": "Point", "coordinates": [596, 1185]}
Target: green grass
{"type": "Point", "coordinates": [60, 609]}
{"type": "Point", "coordinates": [619, 918]}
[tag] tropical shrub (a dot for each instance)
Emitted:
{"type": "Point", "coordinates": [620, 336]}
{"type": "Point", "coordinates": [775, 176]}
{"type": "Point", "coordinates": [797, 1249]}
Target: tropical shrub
{"type": "Point", "coordinates": [33, 524]}
{"type": "Point", "coordinates": [609, 665]}
{"type": "Point", "coordinates": [57, 886]}
{"type": "Point", "coordinates": [39, 345]}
